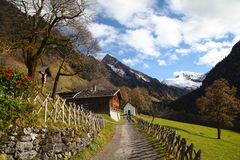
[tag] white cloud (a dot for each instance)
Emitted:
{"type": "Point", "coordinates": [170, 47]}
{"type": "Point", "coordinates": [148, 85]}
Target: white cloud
{"type": "Point", "coordinates": [124, 11]}
{"type": "Point", "coordinates": [202, 25]}
{"type": "Point", "coordinates": [206, 46]}
{"type": "Point", "coordinates": [167, 30]}
{"type": "Point", "coordinates": [121, 52]}
{"type": "Point", "coordinates": [213, 56]}
{"type": "Point", "coordinates": [183, 51]}
{"type": "Point", "coordinates": [207, 19]}
{"type": "Point", "coordinates": [146, 66]}
{"type": "Point", "coordinates": [131, 61]}
{"type": "Point", "coordinates": [105, 33]}
{"type": "Point", "coordinates": [141, 40]}
{"type": "Point", "coordinates": [173, 57]}
{"type": "Point", "coordinates": [162, 62]}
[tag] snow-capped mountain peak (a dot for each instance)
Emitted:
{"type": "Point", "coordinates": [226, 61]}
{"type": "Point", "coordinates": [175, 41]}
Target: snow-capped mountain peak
{"type": "Point", "coordinates": [186, 80]}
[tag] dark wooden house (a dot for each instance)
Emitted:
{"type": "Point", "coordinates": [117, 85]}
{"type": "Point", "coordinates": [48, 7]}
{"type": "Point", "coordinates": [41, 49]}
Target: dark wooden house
{"type": "Point", "coordinates": [98, 101]}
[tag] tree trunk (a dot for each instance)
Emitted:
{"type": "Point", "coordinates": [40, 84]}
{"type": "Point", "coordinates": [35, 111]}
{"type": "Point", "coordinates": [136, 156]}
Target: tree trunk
{"type": "Point", "coordinates": [57, 79]}
{"type": "Point", "coordinates": [153, 117]}
{"type": "Point", "coordinates": [55, 85]}
{"type": "Point", "coordinates": [219, 130]}
{"type": "Point", "coordinates": [31, 66]}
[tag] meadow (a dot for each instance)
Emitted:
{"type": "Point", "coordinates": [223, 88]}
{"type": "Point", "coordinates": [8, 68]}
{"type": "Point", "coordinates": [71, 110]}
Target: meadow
{"type": "Point", "coordinates": [205, 138]}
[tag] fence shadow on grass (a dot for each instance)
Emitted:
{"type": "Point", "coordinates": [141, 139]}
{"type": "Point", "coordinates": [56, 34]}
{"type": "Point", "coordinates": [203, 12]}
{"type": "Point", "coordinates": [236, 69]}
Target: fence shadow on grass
{"type": "Point", "coordinates": [195, 134]}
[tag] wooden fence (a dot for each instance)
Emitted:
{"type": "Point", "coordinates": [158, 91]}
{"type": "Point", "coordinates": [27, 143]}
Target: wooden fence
{"type": "Point", "coordinates": [68, 113]}
{"type": "Point", "coordinates": [176, 146]}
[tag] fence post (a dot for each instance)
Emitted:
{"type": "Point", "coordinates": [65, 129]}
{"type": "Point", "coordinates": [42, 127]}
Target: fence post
{"type": "Point", "coordinates": [63, 113]}
{"type": "Point", "coordinates": [74, 114]}
{"type": "Point", "coordinates": [78, 114]}
{"type": "Point", "coordinates": [183, 146]}
{"type": "Point", "coordinates": [69, 114]}
{"type": "Point", "coordinates": [198, 156]}
{"type": "Point", "coordinates": [56, 110]}
{"type": "Point", "coordinates": [46, 110]}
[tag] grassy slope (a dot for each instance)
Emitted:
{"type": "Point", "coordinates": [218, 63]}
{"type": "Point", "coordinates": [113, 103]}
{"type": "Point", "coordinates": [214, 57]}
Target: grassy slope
{"type": "Point", "coordinates": [204, 138]}
{"type": "Point", "coordinates": [66, 83]}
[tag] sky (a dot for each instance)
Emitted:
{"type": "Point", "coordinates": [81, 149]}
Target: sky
{"type": "Point", "coordinates": [161, 37]}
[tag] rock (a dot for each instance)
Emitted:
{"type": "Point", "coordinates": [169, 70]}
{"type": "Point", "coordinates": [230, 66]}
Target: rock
{"type": "Point", "coordinates": [27, 155]}
{"type": "Point", "coordinates": [5, 139]}
{"type": "Point", "coordinates": [33, 136]}
{"type": "Point", "coordinates": [10, 149]}
{"type": "Point", "coordinates": [45, 156]}
{"type": "Point", "coordinates": [10, 157]}
{"type": "Point", "coordinates": [58, 147]}
{"type": "Point", "coordinates": [24, 146]}
{"type": "Point", "coordinates": [54, 137]}
{"type": "Point", "coordinates": [12, 138]}
{"type": "Point", "coordinates": [59, 156]}
{"type": "Point", "coordinates": [25, 138]}
{"type": "Point", "coordinates": [36, 142]}
{"type": "Point", "coordinates": [66, 140]}
{"type": "Point", "coordinates": [72, 146]}
{"type": "Point", "coordinates": [27, 131]}
{"type": "Point", "coordinates": [36, 130]}
{"type": "Point", "coordinates": [78, 140]}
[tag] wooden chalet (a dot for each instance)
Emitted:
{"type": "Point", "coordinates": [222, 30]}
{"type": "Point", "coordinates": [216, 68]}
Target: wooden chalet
{"type": "Point", "coordinates": [98, 101]}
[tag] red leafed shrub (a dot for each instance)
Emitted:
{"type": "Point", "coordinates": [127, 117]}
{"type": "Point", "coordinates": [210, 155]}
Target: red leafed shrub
{"type": "Point", "coordinates": [14, 83]}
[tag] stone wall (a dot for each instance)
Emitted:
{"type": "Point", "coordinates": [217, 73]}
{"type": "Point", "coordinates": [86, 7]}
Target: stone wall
{"type": "Point", "coordinates": [42, 143]}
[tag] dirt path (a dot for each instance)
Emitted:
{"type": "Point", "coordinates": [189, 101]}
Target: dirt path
{"type": "Point", "coordinates": [128, 144]}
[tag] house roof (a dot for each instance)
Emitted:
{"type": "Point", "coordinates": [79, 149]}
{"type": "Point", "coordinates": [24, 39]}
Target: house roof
{"type": "Point", "coordinates": [90, 94]}
{"type": "Point", "coordinates": [129, 105]}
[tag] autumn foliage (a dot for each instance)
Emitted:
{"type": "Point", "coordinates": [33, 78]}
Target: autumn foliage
{"type": "Point", "coordinates": [219, 104]}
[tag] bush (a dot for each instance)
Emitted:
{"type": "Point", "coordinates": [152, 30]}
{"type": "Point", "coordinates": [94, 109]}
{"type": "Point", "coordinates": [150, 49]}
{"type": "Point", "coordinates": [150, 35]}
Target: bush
{"type": "Point", "coordinates": [15, 84]}
{"type": "Point", "coordinates": [11, 108]}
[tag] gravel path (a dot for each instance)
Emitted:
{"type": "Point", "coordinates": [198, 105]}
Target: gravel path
{"type": "Point", "coordinates": [128, 144]}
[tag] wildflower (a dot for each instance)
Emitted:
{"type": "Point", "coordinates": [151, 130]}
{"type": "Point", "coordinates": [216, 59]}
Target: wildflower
{"type": "Point", "coordinates": [9, 71]}
{"type": "Point", "coordinates": [19, 82]}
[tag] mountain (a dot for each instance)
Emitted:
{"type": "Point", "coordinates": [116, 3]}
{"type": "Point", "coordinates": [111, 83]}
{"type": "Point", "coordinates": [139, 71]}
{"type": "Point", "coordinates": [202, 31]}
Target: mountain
{"type": "Point", "coordinates": [122, 75]}
{"type": "Point", "coordinates": [228, 69]}
{"type": "Point", "coordinates": [186, 80]}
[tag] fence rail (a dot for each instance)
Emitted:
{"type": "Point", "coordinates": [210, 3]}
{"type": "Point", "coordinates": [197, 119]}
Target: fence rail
{"type": "Point", "coordinates": [68, 113]}
{"type": "Point", "coordinates": [176, 146]}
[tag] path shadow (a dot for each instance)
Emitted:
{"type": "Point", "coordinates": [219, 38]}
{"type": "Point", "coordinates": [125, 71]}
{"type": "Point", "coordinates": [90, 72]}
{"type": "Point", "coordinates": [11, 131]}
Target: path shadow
{"type": "Point", "coordinates": [143, 149]}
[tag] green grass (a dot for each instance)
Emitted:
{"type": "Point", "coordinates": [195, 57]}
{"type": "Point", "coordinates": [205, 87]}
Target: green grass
{"type": "Point", "coordinates": [98, 144]}
{"type": "Point", "coordinates": [205, 138]}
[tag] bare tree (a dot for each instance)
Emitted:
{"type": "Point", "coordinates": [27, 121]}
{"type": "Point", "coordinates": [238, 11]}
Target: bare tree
{"type": "Point", "coordinates": [219, 103]}
{"type": "Point", "coordinates": [70, 55]}
{"type": "Point", "coordinates": [158, 109]}
{"type": "Point", "coordinates": [60, 73]}
{"type": "Point", "coordinates": [42, 21]}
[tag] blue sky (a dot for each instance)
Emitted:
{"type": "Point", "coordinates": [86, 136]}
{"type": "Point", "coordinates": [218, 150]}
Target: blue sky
{"type": "Point", "coordinates": [160, 37]}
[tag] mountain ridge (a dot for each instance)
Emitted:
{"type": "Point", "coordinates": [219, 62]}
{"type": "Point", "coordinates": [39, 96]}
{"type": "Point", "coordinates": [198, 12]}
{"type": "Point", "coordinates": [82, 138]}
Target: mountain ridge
{"type": "Point", "coordinates": [123, 75]}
